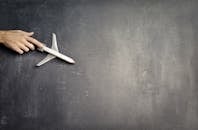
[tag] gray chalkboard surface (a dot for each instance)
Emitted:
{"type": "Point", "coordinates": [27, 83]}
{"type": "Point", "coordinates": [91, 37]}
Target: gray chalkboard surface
{"type": "Point", "coordinates": [136, 66]}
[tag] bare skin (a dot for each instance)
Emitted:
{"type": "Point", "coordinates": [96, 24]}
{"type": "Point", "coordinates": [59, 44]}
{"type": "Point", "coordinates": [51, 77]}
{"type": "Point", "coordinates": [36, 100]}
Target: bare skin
{"type": "Point", "coordinates": [19, 41]}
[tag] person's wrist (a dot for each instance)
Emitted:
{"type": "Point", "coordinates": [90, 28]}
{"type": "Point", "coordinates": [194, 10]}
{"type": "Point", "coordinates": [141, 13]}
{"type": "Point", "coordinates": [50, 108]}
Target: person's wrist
{"type": "Point", "coordinates": [2, 35]}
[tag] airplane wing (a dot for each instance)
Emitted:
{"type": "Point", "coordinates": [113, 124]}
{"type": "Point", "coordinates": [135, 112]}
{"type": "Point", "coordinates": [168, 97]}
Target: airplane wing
{"type": "Point", "coordinates": [46, 59]}
{"type": "Point", "coordinates": [49, 56]}
{"type": "Point", "coordinates": [54, 42]}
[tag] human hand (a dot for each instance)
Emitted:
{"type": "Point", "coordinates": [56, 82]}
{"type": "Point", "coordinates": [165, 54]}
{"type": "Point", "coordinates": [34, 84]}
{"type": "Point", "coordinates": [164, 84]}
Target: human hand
{"type": "Point", "coordinates": [19, 41]}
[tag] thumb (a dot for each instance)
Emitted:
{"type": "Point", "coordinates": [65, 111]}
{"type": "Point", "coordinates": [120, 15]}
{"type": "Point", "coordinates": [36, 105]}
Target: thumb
{"type": "Point", "coordinates": [30, 33]}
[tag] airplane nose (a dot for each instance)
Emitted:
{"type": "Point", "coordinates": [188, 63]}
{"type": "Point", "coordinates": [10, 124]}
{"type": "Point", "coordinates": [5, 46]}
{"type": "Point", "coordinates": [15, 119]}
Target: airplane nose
{"type": "Point", "coordinates": [72, 61]}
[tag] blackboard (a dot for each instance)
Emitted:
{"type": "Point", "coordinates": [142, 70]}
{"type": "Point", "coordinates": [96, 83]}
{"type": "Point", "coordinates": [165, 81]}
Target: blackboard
{"type": "Point", "coordinates": [136, 66]}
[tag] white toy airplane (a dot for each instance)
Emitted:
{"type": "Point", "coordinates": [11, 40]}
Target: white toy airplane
{"type": "Point", "coordinates": [53, 53]}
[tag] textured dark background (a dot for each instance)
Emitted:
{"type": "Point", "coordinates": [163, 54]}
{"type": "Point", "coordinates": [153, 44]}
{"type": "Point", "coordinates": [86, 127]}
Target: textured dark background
{"type": "Point", "coordinates": [136, 66]}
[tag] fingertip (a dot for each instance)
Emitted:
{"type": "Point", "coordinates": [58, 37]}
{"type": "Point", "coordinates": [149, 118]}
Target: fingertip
{"type": "Point", "coordinates": [33, 48]}
{"type": "Point", "coordinates": [20, 52]}
{"type": "Point", "coordinates": [26, 49]}
{"type": "Point", "coordinates": [42, 45]}
{"type": "Point", "coordinates": [30, 33]}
